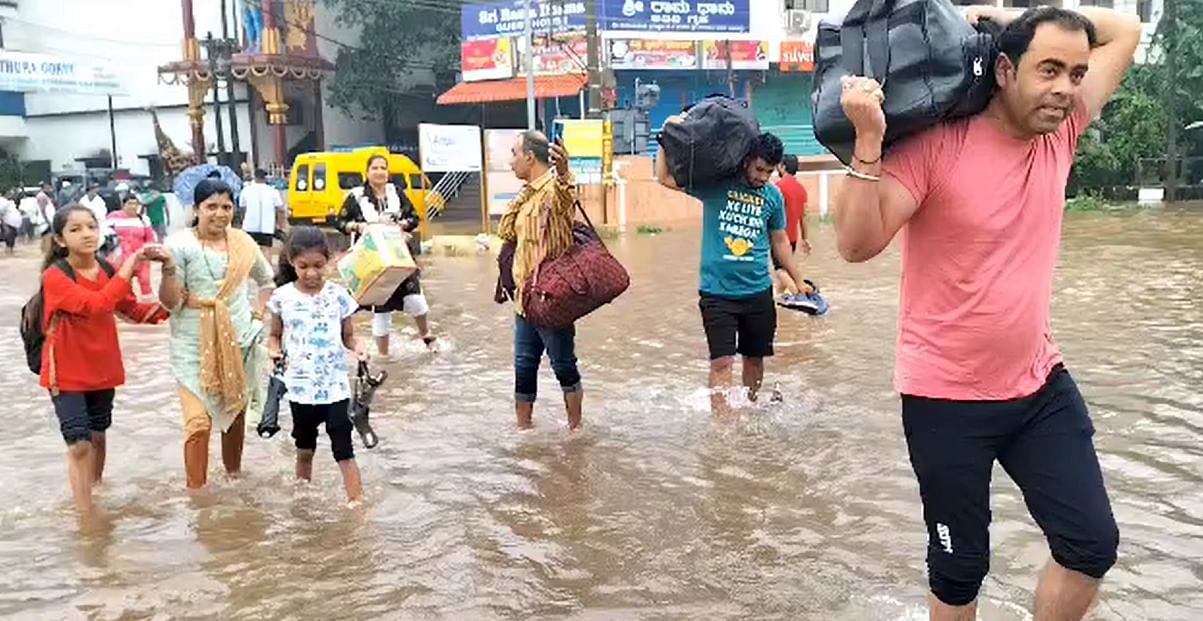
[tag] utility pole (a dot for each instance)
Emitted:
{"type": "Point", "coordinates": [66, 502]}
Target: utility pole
{"type": "Point", "coordinates": [593, 60]}
{"type": "Point", "coordinates": [730, 68]}
{"type": "Point", "coordinates": [530, 67]}
{"type": "Point", "coordinates": [225, 35]}
{"type": "Point", "coordinates": [112, 135]}
{"type": "Point", "coordinates": [1172, 45]}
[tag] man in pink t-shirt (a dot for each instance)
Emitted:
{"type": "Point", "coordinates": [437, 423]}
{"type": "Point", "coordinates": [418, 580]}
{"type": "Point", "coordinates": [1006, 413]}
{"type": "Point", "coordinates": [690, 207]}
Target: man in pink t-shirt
{"type": "Point", "coordinates": [978, 202]}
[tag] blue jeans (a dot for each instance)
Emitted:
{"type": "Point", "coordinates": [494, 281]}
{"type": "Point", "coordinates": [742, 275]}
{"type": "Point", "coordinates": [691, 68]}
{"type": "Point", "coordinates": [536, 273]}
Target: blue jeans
{"type": "Point", "coordinates": [529, 344]}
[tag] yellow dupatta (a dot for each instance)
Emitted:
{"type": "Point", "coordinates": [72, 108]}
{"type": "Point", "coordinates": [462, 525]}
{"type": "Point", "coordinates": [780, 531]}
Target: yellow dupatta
{"type": "Point", "coordinates": [222, 375]}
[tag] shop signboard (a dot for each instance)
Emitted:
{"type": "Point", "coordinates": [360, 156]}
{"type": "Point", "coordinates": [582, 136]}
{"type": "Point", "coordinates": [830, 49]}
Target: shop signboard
{"type": "Point", "coordinates": [487, 59]}
{"type": "Point", "coordinates": [500, 183]}
{"type": "Point", "coordinates": [29, 72]}
{"type": "Point", "coordinates": [653, 54]}
{"type": "Point", "coordinates": [584, 140]}
{"type": "Point", "coordinates": [703, 16]}
{"type": "Point", "coordinates": [555, 55]}
{"type": "Point", "coordinates": [744, 54]}
{"type": "Point", "coordinates": [507, 19]}
{"type": "Point", "coordinates": [449, 148]}
{"type": "Point", "coordinates": [797, 56]}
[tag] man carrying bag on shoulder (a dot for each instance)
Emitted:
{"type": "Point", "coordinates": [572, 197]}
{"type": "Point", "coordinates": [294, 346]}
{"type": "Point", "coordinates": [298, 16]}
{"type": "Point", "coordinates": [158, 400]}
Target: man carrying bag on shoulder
{"type": "Point", "coordinates": [539, 224]}
{"type": "Point", "coordinates": [979, 202]}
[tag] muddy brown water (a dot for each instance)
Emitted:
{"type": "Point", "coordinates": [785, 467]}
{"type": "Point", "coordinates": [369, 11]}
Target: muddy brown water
{"type": "Point", "coordinates": [803, 510]}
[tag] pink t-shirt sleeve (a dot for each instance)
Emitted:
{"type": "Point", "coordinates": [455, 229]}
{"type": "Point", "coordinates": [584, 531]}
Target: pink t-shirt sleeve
{"type": "Point", "coordinates": [913, 162]}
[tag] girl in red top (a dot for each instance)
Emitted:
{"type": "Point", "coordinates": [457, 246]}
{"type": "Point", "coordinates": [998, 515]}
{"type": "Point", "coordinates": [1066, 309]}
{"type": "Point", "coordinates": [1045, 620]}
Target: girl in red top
{"type": "Point", "coordinates": [81, 360]}
{"type": "Point", "coordinates": [135, 231]}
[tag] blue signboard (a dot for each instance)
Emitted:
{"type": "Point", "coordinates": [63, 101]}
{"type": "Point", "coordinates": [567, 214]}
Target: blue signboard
{"type": "Point", "coordinates": [506, 19]}
{"type": "Point", "coordinates": [703, 16]}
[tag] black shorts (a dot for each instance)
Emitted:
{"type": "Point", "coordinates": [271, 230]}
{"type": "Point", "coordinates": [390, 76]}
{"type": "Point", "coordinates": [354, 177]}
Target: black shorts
{"type": "Point", "coordinates": [307, 418]}
{"type": "Point", "coordinates": [744, 326]}
{"type": "Point", "coordinates": [82, 413]}
{"type": "Point", "coordinates": [263, 239]}
{"type": "Point", "coordinates": [793, 248]}
{"type": "Point", "coordinates": [1044, 444]}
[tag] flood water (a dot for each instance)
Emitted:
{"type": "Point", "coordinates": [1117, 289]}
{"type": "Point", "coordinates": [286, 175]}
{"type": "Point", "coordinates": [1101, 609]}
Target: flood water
{"type": "Point", "coordinates": [806, 510]}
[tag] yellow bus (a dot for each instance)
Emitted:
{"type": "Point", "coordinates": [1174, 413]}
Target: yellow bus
{"type": "Point", "coordinates": [321, 181]}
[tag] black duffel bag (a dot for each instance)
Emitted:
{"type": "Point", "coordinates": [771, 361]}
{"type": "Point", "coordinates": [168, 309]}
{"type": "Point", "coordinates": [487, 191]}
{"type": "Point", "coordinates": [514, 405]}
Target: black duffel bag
{"type": "Point", "coordinates": [931, 63]}
{"type": "Point", "coordinates": [711, 142]}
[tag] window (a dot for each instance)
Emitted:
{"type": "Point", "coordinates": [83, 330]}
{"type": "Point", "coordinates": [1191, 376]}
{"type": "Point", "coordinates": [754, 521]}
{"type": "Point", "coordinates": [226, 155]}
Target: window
{"type": "Point", "coordinates": [347, 181]}
{"type": "Point", "coordinates": [319, 177]}
{"type": "Point", "coordinates": [303, 178]}
{"type": "Point", "coordinates": [1106, 4]}
{"type": "Point", "coordinates": [400, 181]}
{"type": "Point", "coordinates": [814, 6]}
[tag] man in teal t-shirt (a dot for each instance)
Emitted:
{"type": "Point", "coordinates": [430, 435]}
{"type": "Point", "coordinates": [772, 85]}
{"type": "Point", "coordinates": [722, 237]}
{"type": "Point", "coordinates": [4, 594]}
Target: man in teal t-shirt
{"type": "Point", "coordinates": [743, 223]}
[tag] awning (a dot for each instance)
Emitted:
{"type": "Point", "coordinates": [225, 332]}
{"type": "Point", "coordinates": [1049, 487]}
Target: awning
{"type": "Point", "coordinates": [513, 89]}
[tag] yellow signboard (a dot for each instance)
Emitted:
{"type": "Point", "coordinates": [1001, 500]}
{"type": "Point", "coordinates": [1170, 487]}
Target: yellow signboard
{"type": "Point", "coordinates": [583, 137]}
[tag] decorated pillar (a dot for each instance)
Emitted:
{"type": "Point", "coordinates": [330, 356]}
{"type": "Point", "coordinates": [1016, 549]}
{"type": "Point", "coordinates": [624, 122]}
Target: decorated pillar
{"type": "Point", "coordinates": [271, 89]}
{"type": "Point", "coordinates": [271, 34]}
{"type": "Point", "coordinates": [197, 89]}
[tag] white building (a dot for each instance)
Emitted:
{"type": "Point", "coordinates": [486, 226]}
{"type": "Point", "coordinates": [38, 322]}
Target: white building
{"type": "Point", "coordinates": [135, 37]}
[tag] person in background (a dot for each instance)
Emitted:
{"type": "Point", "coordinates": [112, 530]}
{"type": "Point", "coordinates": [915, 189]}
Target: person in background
{"type": "Point", "coordinates": [980, 203]}
{"type": "Point", "coordinates": [379, 200]}
{"type": "Point", "coordinates": [46, 194]}
{"type": "Point", "coordinates": [134, 231]}
{"type": "Point", "coordinates": [43, 216]}
{"type": "Point", "coordinates": [743, 222]}
{"type": "Point", "coordinates": [216, 334]}
{"type": "Point", "coordinates": [311, 330]}
{"type": "Point", "coordinates": [260, 204]}
{"type": "Point", "coordinates": [156, 212]}
{"type": "Point", "coordinates": [549, 193]}
{"type": "Point", "coordinates": [10, 222]}
{"type": "Point", "coordinates": [795, 218]}
{"type": "Point", "coordinates": [93, 201]}
{"type": "Point", "coordinates": [81, 357]}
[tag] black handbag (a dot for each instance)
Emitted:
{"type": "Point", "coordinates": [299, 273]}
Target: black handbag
{"type": "Point", "coordinates": [931, 63]}
{"type": "Point", "coordinates": [711, 142]}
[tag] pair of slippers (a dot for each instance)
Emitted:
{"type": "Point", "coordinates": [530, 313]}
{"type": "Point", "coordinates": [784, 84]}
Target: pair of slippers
{"type": "Point", "coordinates": [809, 303]}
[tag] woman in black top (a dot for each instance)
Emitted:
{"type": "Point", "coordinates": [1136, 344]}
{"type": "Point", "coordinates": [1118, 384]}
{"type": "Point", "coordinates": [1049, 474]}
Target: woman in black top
{"type": "Point", "coordinates": [378, 200]}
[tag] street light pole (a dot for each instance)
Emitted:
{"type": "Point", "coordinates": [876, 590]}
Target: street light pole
{"type": "Point", "coordinates": [530, 68]}
{"type": "Point", "coordinates": [231, 100]}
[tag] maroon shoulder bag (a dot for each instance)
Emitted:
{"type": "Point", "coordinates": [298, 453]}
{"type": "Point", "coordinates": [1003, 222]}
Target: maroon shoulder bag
{"type": "Point", "coordinates": [565, 288]}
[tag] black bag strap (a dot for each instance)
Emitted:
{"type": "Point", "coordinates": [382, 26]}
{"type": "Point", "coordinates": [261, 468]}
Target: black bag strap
{"type": "Point", "coordinates": [852, 37]}
{"type": "Point", "coordinates": [878, 43]}
{"type": "Point", "coordinates": [66, 268]}
{"type": "Point", "coordinates": [865, 33]}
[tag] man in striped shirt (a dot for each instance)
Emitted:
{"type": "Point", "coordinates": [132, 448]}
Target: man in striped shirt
{"type": "Point", "coordinates": [550, 192]}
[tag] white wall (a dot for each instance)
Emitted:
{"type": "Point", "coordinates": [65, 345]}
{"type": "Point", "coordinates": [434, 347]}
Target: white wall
{"type": "Point", "coordinates": [136, 36]}
{"type": "Point", "coordinates": [62, 138]}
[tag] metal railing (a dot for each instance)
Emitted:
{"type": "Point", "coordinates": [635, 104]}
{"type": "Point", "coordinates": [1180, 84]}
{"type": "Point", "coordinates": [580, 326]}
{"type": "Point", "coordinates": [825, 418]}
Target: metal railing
{"type": "Point", "coordinates": [444, 190]}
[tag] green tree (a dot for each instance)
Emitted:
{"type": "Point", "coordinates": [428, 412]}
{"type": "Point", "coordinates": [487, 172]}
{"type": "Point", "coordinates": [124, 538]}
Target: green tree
{"type": "Point", "coordinates": [1179, 39]}
{"type": "Point", "coordinates": [1136, 125]}
{"type": "Point", "coordinates": [396, 36]}
{"type": "Point", "coordinates": [1131, 129]}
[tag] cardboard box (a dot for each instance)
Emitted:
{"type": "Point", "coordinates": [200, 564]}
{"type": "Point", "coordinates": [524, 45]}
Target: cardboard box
{"type": "Point", "coordinates": [377, 264]}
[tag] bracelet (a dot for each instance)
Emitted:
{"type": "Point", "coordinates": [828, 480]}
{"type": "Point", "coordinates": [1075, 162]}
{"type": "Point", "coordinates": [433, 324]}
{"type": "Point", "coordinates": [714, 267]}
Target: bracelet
{"type": "Point", "coordinates": [866, 162]}
{"type": "Point", "coordinates": [257, 315]}
{"type": "Point", "coordinates": [856, 174]}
